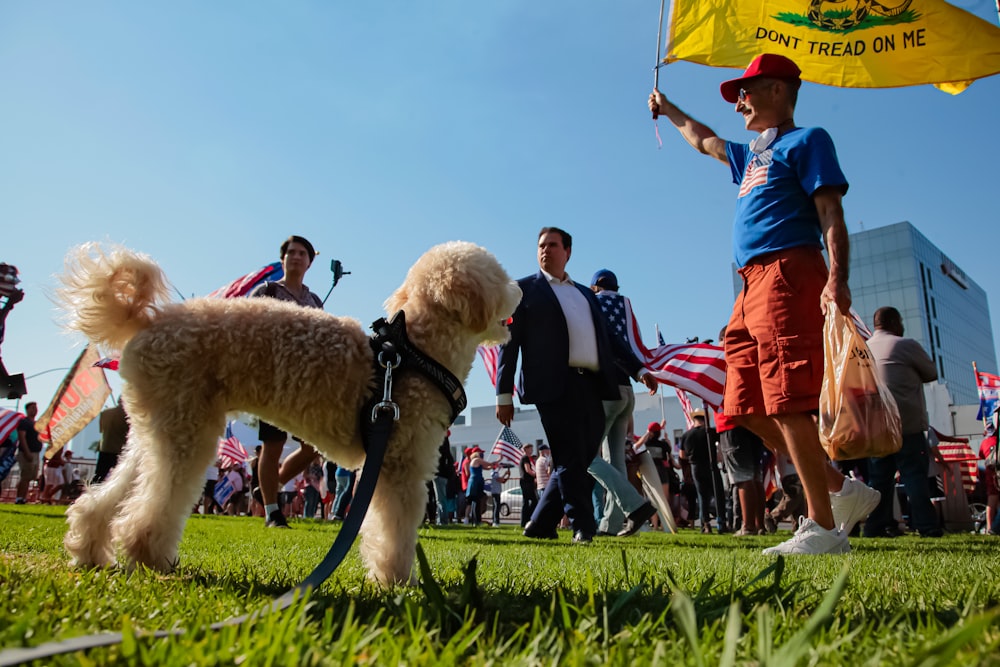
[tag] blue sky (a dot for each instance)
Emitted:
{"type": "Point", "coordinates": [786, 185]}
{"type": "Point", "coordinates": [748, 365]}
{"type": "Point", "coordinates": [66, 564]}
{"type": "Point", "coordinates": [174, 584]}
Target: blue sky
{"type": "Point", "coordinates": [205, 133]}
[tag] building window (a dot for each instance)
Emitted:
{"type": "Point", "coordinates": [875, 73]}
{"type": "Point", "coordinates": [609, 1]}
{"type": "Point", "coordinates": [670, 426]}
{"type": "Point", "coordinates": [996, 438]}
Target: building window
{"type": "Point", "coordinates": [937, 334]}
{"type": "Point", "coordinates": [941, 368]}
{"type": "Point", "coordinates": [934, 307]}
{"type": "Point", "coordinates": [930, 281]}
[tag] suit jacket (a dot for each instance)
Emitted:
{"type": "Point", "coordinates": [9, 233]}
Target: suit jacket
{"type": "Point", "coordinates": [539, 335]}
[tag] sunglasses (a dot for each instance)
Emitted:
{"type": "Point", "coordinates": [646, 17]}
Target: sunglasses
{"type": "Point", "coordinates": [743, 94]}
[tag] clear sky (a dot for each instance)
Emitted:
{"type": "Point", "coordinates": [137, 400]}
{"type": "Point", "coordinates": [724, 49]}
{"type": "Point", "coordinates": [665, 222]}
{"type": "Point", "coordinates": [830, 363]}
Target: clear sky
{"type": "Point", "coordinates": [204, 133]}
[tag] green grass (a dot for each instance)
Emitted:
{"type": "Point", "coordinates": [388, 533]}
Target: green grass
{"type": "Point", "coordinates": [489, 596]}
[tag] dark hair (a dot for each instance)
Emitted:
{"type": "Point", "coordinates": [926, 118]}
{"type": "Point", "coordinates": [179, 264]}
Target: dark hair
{"type": "Point", "coordinates": [793, 90]}
{"type": "Point", "coordinates": [567, 240]}
{"type": "Point", "coordinates": [30, 403]}
{"type": "Point", "coordinates": [301, 240]}
{"type": "Point", "coordinates": [887, 317]}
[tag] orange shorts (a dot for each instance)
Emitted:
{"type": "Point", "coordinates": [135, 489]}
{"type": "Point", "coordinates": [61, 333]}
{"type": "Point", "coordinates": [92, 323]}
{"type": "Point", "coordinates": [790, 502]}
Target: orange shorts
{"type": "Point", "coordinates": [774, 340]}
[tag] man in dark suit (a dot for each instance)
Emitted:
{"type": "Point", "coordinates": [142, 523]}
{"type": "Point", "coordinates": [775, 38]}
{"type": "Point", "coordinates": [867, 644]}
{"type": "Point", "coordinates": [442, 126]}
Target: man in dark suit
{"type": "Point", "coordinates": [567, 370]}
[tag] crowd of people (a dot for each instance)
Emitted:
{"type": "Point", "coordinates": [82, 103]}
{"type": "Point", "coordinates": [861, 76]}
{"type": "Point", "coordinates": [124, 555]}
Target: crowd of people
{"type": "Point", "coordinates": [569, 356]}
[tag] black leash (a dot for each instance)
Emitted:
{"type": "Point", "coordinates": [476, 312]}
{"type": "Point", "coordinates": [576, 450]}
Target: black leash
{"type": "Point", "coordinates": [377, 421]}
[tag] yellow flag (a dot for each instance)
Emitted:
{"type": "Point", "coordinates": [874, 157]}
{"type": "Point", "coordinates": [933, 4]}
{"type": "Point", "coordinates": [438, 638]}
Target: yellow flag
{"type": "Point", "coordinates": [847, 43]}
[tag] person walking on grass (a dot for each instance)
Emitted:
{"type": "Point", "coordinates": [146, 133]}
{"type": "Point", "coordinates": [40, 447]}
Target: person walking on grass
{"type": "Point", "coordinates": [568, 363]}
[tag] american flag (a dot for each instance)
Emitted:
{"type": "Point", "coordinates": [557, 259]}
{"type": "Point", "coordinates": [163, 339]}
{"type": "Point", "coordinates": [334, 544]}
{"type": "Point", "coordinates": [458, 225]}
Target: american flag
{"type": "Point", "coordinates": [989, 391]}
{"type": "Point", "coordinates": [491, 358]}
{"type": "Point", "coordinates": [245, 284]}
{"type": "Point", "coordinates": [8, 422]}
{"type": "Point", "coordinates": [508, 447]}
{"type": "Point", "coordinates": [756, 174]}
{"type": "Point", "coordinates": [697, 368]}
{"type": "Point", "coordinates": [957, 450]}
{"type": "Point", "coordinates": [685, 407]}
{"type": "Point", "coordinates": [231, 450]}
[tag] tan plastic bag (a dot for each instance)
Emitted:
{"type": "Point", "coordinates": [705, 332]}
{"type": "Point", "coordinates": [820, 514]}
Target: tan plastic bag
{"type": "Point", "coordinates": [858, 417]}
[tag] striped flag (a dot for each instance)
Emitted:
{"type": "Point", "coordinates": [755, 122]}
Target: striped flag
{"type": "Point", "coordinates": [697, 368]}
{"type": "Point", "coordinates": [245, 284]}
{"type": "Point", "coordinates": [957, 450]}
{"type": "Point", "coordinates": [685, 407]}
{"type": "Point", "coordinates": [756, 174]}
{"type": "Point", "coordinates": [491, 359]}
{"type": "Point", "coordinates": [231, 450]}
{"type": "Point", "coordinates": [508, 448]}
{"type": "Point", "coordinates": [988, 386]}
{"type": "Point", "coordinates": [8, 422]}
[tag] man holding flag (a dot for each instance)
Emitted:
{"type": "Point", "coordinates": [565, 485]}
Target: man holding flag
{"type": "Point", "coordinates": [788, 205]}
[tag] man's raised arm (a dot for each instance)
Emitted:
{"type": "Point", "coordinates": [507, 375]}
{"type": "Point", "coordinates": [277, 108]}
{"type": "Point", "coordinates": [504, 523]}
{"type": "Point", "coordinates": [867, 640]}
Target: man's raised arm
{"type": "Point", "coordinates": [700, 136]}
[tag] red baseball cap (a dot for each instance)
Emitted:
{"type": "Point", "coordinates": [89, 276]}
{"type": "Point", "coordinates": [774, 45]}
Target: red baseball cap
{"type": "Point", "coordinates": [654, 427]}
{"type": "Point", "coordinates": [768, 65]}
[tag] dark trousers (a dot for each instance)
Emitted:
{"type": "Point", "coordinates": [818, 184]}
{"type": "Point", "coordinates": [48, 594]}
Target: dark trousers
{"type": "Point", "coordinates": [106, 461]}
{"type": "Point", "coordinates": [529, 501]}
{"type": "Point", "coordinates": [708, 483]}
{"type": "Point", "coordinates": [574, 426]}
{"type": "Point", "coordinates": [912, 461]}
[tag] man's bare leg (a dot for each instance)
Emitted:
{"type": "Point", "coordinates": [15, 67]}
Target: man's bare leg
{"type": "Point", "coordinates": [797, 436]}
{"type": "Point", "coordinates": [267, 470]}
{"type": "Point", "coordinates": [296, 462]}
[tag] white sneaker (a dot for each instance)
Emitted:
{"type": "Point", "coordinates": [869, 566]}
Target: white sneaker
{"type": "Point", "coordinates": [811, 538]}
{"type": "Point", "coordinates": [853, 503]}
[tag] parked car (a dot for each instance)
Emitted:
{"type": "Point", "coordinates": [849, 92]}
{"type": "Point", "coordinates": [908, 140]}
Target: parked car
{"type": "Point", "coordinates": [510, 503]}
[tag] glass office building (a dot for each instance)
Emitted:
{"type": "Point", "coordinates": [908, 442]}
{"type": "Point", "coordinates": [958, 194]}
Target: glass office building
{"type": "Point", "coordinates": [942, 308]}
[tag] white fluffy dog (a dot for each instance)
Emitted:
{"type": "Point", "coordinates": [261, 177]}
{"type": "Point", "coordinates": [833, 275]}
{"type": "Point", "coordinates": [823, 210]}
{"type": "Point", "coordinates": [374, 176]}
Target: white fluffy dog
{"type": "Point", "coordinates": [186, 365]}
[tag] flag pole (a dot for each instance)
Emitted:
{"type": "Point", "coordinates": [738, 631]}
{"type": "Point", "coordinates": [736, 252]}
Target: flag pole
{"type": "Point", "coordinates": [659, 386]}
{"type": "Point", "coordinates": [659, 45]}
{"type": "Point", "coordinates": [975, 371]}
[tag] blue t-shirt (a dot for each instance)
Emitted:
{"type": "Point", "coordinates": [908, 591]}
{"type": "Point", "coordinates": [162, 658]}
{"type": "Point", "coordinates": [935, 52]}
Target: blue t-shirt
{"type": "Point", "coordinates": [774, 208]}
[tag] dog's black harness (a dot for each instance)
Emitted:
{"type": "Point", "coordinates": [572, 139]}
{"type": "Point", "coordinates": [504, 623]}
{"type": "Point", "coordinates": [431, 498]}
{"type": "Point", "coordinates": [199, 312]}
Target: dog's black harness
{"type": "Point", "coordinates": [393, 351]}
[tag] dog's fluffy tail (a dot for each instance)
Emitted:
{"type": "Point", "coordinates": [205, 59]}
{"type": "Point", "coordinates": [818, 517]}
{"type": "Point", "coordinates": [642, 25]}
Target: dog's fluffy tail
{"type": "Point", "coordinates": [110, 294]}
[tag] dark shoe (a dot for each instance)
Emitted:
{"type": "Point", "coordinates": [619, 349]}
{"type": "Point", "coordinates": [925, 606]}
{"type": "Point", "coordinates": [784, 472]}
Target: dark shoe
{"type": "Point", "coordinates": [277, 520]}
{"type": "Point", "coordinates": [531, 531]}
{"type": "Point", "coordinates": [887, 531]}
{"type": "Point", "coordinates": [636, 519]}
{"type": "Point", "coordinates": [580, 537]}
{"type": "Point", "coordinates": [937, 532]}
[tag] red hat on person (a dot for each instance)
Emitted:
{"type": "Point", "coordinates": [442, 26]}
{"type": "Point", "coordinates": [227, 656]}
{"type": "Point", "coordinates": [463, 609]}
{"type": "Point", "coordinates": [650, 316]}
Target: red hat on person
{"type": "Point", "coordinates": [654, 427]}
{"type": "Point", "coordinates": [769, 65]}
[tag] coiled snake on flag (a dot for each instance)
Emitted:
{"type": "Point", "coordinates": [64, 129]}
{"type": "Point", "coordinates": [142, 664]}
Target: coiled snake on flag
{"type": "Point", "coordinates": [861, 11]}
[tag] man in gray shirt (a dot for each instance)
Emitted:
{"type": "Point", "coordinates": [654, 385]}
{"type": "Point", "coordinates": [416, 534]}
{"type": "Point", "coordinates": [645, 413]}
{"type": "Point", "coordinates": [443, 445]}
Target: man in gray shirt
{"type": "Point", "coordinates": [904, 366]}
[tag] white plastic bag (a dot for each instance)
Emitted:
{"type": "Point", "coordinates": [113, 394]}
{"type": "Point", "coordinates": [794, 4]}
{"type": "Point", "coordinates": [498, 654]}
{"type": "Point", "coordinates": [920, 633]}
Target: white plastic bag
{"type": "Point", "coordinates": [858, 417]}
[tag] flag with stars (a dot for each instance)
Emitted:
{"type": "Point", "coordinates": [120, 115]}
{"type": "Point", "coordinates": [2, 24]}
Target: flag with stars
{"type": "Point", "coordinates": [698, 368]}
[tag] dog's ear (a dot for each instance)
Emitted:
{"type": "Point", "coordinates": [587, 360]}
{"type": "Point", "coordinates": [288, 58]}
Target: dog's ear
{"type": "Point", "coordinates": [472, 288]}
{"type": "Point", "coordinates": [397, 299]}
